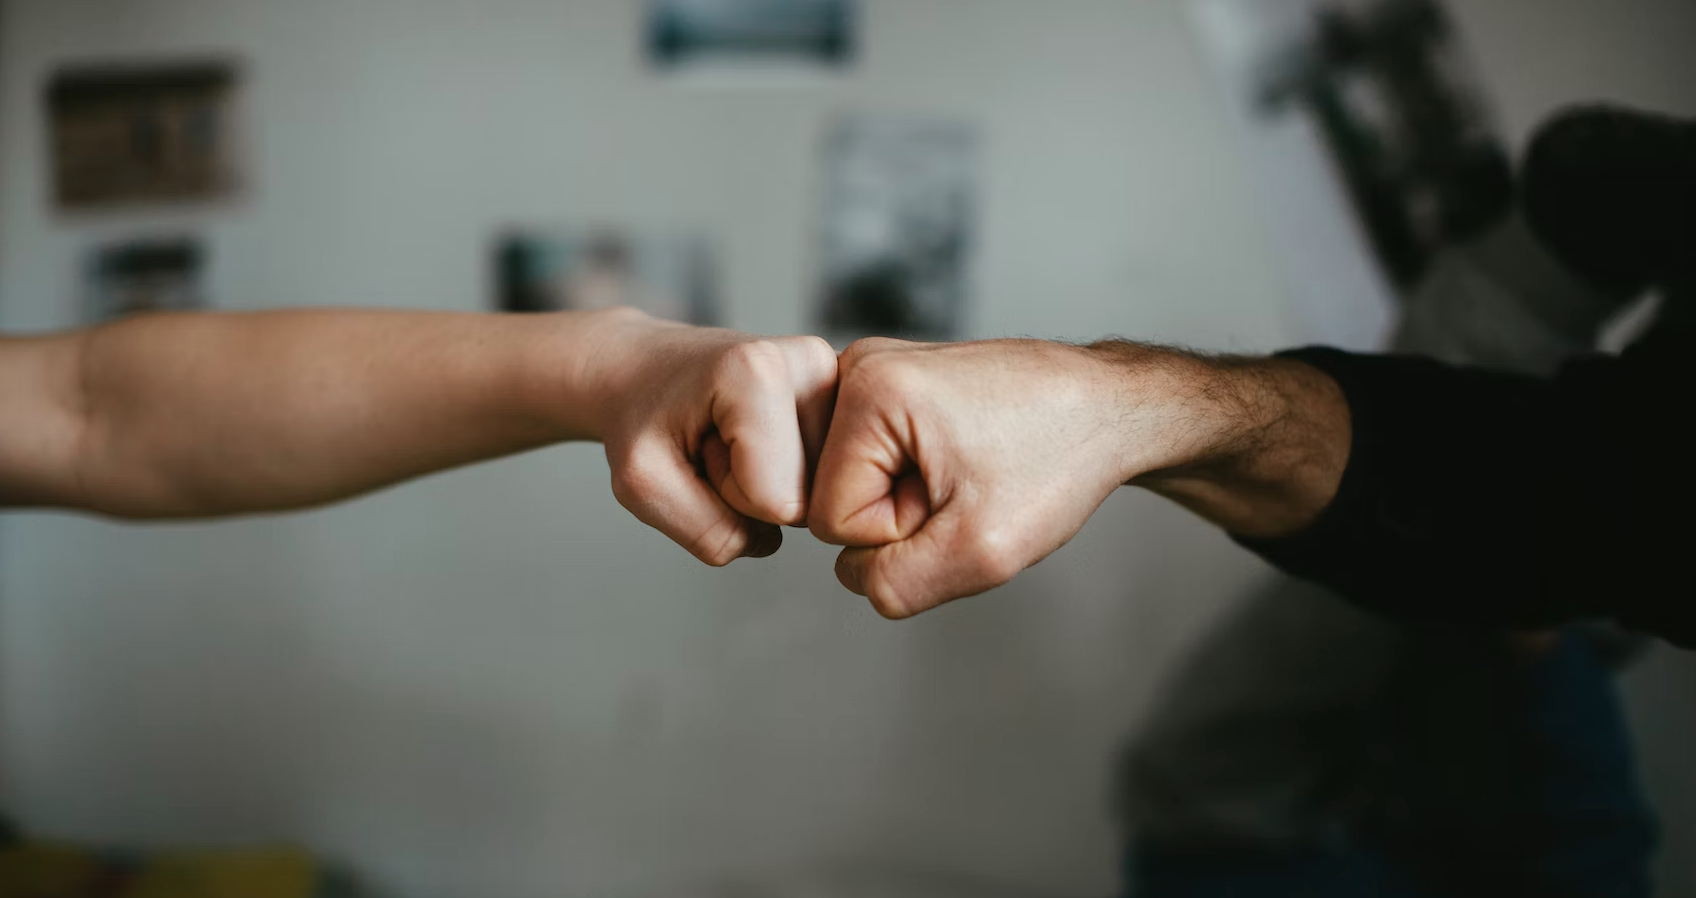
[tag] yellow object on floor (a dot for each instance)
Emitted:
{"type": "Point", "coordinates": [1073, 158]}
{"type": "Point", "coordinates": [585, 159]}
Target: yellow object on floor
{"type": "Point", "coordinates": [51, 870]}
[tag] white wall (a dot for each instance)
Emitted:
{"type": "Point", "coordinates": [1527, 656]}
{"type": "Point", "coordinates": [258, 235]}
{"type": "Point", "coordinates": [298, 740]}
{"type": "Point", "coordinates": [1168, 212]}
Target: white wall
{"type": "Point", "coordinates": [1539, 56]}
{"type": "Point", "coordinates": [496, 684]}
{"type": "Point", "coordinates": [1339, 296]}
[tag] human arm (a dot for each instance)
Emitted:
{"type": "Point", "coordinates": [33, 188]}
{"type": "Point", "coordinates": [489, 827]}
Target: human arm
{"type": "Point", "coordinates": [178, 416]}
{"type": "Point", "coordinates": [1416, 489]}
{"type": "Point", "coordinates": [950, 468]}
{"type": "Point", "coordinates": [1479, 498]}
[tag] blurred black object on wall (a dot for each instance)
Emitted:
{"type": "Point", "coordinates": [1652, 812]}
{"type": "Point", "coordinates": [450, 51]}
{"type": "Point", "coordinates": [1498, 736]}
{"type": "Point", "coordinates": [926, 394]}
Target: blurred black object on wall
{"type": "Point", "coordinates": [818, 32]}
{"type": "Point", "coordinates": [145, 275]}
{"type": "Point", "coordinates": [1406, 121]}
{"type": "Point", "coordinates": [898, 227]}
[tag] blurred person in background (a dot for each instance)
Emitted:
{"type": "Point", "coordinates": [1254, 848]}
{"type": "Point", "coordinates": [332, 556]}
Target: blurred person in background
{"type": "Point", "coordinates": [1307, 748]}
{"type": "Point", "coordinates": [710, 433]}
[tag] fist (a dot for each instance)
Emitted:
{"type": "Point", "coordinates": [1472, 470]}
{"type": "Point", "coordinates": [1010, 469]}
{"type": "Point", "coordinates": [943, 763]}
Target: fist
{"type": "Point", "coordinates": [949, 469]}
{"type": "Point", "coordinates": [712, 435]}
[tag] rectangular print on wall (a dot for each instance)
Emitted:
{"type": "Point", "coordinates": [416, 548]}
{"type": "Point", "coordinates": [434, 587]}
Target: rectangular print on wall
{"type": "Point", "coordinates": [668, 274]}
{"type": "Point", "coordinates": [817, 34]}
{"type": "Point", "coordinates": [898, 228]}
{"type": "Point", "coordinates": [134, 134]}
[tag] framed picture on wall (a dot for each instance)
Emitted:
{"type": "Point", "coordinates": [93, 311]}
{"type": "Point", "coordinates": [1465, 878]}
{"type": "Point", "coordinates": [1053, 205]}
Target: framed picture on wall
{"type": "Point", "coordinates": [137, 134]}
{"type": "Point", "coordinates": [145, 275]}
{"type": "Point", "coordinates": [752, 34]}
{"type": "Point", "coordinates": [898, 228]}
{"type": "Point", "coordinates": [668, 274]}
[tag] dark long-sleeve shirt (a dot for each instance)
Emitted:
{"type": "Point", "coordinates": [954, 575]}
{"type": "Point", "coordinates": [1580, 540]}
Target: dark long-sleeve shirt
{"type": "Point", "coordinates": [1478, 497]}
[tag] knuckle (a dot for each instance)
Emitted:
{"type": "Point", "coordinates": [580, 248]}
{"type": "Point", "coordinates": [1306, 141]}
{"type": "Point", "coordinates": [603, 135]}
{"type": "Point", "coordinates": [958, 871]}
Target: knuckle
{"type": "Point", "coordinates": [886, 600]}
{"type": "Point", "coordinates": [865, 347]}
{"type": "Point", "coordinates": [631, 487]}
{"type": "Point", "coordinates": [636, 479]}
{"type": "Point", "coordinates": [812, 359]}
{"type": "Point", "coordinates": [822, 526]}
{"type": "Point", "coordinates": [756, 359]}
{"type": "Point", "coordinates": [819, 350]}
{"type": "Point", "coordinates": [993, 553]}
{"type": "Point", "coordinates": [818, 346]}
{"type": "Point", "coordinates": [855, 353]}
{"type": "Point", "coordinates": [828, 518]}
{"type": "Point", "coordinates": [889, 374]}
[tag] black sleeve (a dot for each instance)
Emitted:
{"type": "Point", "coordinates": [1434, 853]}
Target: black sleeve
{"type": "Point", "coordinates": [1475, 497]}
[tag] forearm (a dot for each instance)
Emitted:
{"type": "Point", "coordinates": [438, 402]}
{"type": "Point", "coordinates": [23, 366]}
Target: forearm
{"type": "Point", "coordinates": [1450, 495]}
{"type": "Point", "coordinates": [951, 467]}
{"type": "Point", "coordinates": [1257, 446]}
{"type": "Point", "coordinates": [198, 415]}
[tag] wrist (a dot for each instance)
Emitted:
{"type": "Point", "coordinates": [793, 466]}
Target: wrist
{"type": "Point", "coordinates": [577, 367]}
{"type": "Point", "coordinates": [1256, 445]}
{"type": "Point", "coordinates": [1172, 410]}
{"type": "Point", "coordinates": [1282, 470]}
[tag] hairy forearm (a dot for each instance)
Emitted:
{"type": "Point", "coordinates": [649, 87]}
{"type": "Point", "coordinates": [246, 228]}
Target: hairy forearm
{"type": "Point", "coordinates": [197, 415]}
{"type": "Point", "coordinates": [1255, 445]}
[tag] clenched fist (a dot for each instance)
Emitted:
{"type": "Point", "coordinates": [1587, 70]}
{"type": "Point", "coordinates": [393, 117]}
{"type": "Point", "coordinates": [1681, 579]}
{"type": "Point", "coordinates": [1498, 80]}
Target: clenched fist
{"type": "Point", "coordinates": [711, 434]}
{"type": "Point", "coordinates": [951, 468]}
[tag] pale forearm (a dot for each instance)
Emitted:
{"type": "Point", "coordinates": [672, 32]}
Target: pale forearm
{"type": "Point", "coordinates": [198, 415]}
{"type": "Point", "coordinates": [709, 433]}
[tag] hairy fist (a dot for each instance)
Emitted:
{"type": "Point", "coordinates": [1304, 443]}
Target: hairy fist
{"type": "Point", "coordinates": [951, 468]}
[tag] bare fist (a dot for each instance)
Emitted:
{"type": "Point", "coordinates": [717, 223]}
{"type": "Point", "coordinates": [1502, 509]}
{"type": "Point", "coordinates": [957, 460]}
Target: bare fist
{"type": "Point", "coordinates": [951, 468]}
{"type": "Point", "coordinates": [711, 434]}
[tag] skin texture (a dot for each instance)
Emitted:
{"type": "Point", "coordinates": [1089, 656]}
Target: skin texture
{"type": "Point", "coordinates": [951, 468]}
{"type": "Point", "coordinates": [943, 470]}
{"type": "Point", "coordinates": [211, 415]}
{"type": "Point", "coordinates": [675, 402]}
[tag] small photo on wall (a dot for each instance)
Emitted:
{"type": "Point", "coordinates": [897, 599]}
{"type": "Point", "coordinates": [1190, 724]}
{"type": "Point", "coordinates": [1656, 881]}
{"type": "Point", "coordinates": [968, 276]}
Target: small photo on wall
{"type": "Point", "coordinates": [666, 274]}
{"type": "Point", "coordinates": [898, 229]}
{"type": "Point", "coordinates": [758, 34]}
{"type": "Point", "coordinates": [145, 275]}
